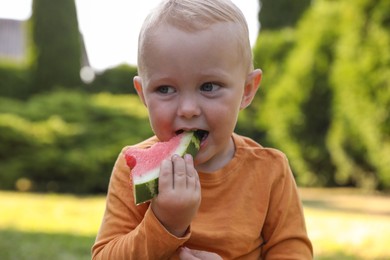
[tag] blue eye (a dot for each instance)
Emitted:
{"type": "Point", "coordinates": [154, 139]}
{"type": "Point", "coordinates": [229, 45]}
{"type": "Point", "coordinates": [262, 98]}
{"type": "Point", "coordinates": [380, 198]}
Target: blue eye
{"type": "Point", "coordinates": [208, 87]}
{"type": "Point", "coordinates": [165, 90]}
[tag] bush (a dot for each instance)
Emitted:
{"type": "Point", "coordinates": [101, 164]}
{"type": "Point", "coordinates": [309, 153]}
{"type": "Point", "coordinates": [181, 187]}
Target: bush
{"type": "Point", "coordinates": [67, 141]}
{"type": "Point", "coordinates": [15, 81]}
{"type": "Point", "coordinates": [118, 80]}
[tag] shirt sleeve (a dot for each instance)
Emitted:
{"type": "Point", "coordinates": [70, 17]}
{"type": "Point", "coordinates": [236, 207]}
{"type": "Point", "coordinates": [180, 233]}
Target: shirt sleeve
{"type": "Point", "coordinates": [284, 231]}
{"type": "Point", "coordinates": [129, 231]}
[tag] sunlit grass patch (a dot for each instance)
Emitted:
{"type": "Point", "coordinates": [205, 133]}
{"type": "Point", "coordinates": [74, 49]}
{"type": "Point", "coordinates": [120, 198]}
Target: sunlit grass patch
{"type": "Point", "coordinates": [50, 213]}
{"type": "Point", "coordinates": [341, 225]}
{"type": "Point", "coordinates": [363, 236]}
{"type": "Point", "coordinates": [348, 226]}
{"type": "Point", "coordinates": [48, 226]}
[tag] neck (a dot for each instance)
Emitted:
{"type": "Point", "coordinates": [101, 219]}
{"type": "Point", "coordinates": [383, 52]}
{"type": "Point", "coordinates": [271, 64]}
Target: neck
{"type": "Point", "coordinates": [219, 160]}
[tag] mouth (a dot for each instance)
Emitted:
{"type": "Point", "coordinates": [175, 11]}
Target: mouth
{"type": "Point", "coordinates": [201, 134]}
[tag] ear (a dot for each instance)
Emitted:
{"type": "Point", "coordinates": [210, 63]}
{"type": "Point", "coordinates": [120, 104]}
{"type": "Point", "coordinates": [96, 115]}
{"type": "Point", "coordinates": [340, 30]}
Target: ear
{"type": "Point", "coordinates": [137, 81]}
{"type": "Point", "coordinates": [252, 84]}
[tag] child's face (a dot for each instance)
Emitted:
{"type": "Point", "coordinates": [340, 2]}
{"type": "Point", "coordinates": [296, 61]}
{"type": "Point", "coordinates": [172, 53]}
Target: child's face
{"type": "Point", "coordinates": [197, 81]}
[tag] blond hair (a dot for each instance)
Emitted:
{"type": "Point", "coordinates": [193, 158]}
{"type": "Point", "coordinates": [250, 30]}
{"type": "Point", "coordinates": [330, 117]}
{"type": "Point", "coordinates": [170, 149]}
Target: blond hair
{"type": "Point", "coordinates": [194, 15]}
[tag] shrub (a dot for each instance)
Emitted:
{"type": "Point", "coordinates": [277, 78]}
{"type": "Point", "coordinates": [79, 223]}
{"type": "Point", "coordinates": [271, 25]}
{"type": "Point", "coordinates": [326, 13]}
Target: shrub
{"type": "Point", "coordinates": [118, 80]}
{"type": "Point", "coordinates": [67, 141]}
{"type": "Point", "coordinates": [15, 81]}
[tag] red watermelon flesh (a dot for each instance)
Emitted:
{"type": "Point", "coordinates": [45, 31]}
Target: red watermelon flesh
{"type": "Point", "coordinates": [145, 163]}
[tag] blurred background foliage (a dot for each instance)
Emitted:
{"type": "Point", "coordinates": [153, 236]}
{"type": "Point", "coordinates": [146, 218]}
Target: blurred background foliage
{"type": "Point", "coordinates": [326, 92]}
{"type": "Point", "coordinates": [66, 141]}
{"type": "Point", "coordinates": [324, 101]}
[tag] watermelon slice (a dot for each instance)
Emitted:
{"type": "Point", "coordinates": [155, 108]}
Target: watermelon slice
{"type": "Point", "coordinates": [145, 163]}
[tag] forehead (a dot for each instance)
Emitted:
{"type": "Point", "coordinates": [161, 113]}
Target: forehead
{"type": "Point", "coordinates": [219, 41]}
{"type": "Point", "coordinates": [168, 32]}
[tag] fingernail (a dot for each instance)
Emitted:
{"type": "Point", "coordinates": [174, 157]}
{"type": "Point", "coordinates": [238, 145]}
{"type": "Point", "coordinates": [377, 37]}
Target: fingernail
{"type": "Point", "coordinates": [187, 156]}
{"type": "Point", "coordinates": [165, 161]}
{"type": "Point", "coordinates": [175, 156]}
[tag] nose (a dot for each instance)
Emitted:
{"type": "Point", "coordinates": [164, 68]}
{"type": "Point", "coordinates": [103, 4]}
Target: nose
{"type": "Point", "coordinates": [188, 107]}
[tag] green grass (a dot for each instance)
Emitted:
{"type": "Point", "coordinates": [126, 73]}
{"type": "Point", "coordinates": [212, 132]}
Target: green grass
{"type": "Point", "coordinates": [16, 245]}
{"type": "Point", "coordinates": [346, 224]}
{"type": "Point", "coordinates": [48, 226]}
{"type": "Point", "coordinates": [341, 224]}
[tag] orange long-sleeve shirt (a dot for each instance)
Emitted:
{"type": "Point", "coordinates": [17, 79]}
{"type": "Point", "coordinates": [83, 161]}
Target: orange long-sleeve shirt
{"type": "Point", "coordinates": [250, 209]}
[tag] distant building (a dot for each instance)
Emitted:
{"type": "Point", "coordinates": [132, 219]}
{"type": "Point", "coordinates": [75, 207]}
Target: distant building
{"type": "Point", "coordinates": [13, 42]}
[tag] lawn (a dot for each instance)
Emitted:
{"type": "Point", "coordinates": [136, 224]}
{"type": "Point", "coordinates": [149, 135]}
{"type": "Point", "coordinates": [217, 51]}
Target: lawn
{"type": "Point", "coordinates": [48, 226]}
{"type": "Point", "coordinates": [347, 224]}
{"type": "Point", "coordinates": [342, 224]}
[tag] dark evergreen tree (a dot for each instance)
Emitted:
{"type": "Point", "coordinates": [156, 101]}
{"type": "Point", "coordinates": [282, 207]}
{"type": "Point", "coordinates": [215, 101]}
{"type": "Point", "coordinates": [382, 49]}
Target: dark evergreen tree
{"type": "Point", "coordinates": [57, 48]}
{"type": "Point", "coordinates": [276, 14]}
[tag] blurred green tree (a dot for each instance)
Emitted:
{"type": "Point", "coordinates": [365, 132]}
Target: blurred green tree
{"type": "Point", "coordinates": [327, 93]}
{"type": "Point", "coordinates": [56, 55]}
{"type": "Point", "coordinates": [359, 137]}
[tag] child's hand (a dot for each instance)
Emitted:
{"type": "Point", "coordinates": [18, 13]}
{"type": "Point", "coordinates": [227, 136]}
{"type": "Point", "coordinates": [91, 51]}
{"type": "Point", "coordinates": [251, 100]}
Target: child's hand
{"type": "Point", "coordinates": [179, 194]}
{"type": "Point", "coordinates": [191, 254]}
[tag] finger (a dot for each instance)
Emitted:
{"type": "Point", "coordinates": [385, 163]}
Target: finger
{"type": "Point", "coordinates": [179, 173]}
{"type": "Point", "coordinates": [189, 163]}
{"type": "Point", "coordinates": [165, 180]}
{"type": "Point", "coordinates": [192, 174]}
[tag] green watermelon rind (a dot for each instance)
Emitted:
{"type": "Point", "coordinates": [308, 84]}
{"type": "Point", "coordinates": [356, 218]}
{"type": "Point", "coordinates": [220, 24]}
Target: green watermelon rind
{"type": "Point", "coordinates": [147, 189]}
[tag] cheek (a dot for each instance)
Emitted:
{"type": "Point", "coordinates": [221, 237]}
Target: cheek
{"type": "Point", "coordinates": [222, 116]}
{"type": "Point", "coordinates": [160, 117]}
